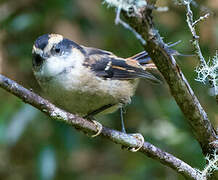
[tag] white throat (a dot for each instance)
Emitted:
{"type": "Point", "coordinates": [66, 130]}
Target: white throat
{"type": "Point", "coordinates": [55, 65]}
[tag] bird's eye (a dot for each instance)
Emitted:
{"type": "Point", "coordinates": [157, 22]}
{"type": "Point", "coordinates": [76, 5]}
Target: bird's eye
{"type": "Point", "coordinates": [57, 50]}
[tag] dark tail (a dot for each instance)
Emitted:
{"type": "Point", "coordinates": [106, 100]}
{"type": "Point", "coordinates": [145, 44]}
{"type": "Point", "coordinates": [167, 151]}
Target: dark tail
{"type": "Point", "coordinates": [146, 62]}
{"type": "Point", "coordinates": [142, 57]}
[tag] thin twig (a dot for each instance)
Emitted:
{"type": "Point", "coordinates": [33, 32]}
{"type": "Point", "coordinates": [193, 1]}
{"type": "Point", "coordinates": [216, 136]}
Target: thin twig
{"type": "Point", "coordinates": [87, 126]}
{"type": "Point", "coordinates": [195, 42]}
{"type": "Point", "coordinates": [201, 19]}
{"type": "Point", "coordinates": [118, 20]}
{"type": "Point", "coordinates": [191, 24]}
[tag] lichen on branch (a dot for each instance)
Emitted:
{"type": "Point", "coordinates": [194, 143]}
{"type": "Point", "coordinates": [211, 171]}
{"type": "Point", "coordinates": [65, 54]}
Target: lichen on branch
{"type": "Point", "coordinates": [211, 166]}
{"type": "Point", "coordinates": [209, 72]}
{"type": "Point", "coordinates": [127, 5]}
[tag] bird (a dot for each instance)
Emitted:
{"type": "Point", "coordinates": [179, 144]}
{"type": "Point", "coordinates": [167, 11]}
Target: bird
{"type": "Point", "coordinates": [87, 81]}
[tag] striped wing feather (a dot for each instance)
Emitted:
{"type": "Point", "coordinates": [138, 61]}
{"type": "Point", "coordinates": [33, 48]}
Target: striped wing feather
{"type": "Point", "coordinates": [106, 65]}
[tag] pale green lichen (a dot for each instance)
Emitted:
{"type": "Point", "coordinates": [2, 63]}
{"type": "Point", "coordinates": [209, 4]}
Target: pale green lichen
{"type": "Point", "coordinates": [182, 2]}
{"type": "Point", "coordinates": [127, 5]}
{"type": "Point", "coordinates": [209, 72]}
{"type": "Point", "coordinates": [210, 167]}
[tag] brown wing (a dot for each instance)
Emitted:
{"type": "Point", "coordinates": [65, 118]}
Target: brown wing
{"type": "Point", "coordinates": [106, 65]}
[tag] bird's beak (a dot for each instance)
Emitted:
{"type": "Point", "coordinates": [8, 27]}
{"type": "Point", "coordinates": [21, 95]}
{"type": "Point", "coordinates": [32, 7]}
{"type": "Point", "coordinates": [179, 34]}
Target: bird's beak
{"type": "Point", "coordinates": [38, 59]}
{"type": "Point", "coordinates": [38, 56]}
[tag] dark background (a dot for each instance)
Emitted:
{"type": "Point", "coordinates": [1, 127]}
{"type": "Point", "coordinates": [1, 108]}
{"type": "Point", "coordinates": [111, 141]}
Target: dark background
{"type": "Point", "coordinates": [32, 146]}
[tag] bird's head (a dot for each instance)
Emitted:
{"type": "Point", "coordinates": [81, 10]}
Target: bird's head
{"type": "Point", "coordinates": [52, 54]}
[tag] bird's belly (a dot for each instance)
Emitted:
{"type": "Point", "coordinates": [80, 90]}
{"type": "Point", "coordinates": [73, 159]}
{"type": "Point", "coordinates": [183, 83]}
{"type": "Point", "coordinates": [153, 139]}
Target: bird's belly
{"type": "Point", "coordinates": [83, 103]}
{"type": "Point", "coordinates": [82, 96]}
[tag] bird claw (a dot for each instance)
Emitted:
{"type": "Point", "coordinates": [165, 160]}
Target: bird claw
{"type": "Point", "coordinates": [141, 139]}
{"type": "Point", "coordinates": [99, 128]}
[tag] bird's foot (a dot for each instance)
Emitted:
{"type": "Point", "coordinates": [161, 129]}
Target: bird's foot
{"type": "Point", "coordinates": [141, 139]}
{"type": "Point", "coordinates": [98, 125]}
{"type": "Point", "coordinates": [99, 128]}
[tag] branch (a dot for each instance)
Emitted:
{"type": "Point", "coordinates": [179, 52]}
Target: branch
{"type": "Point", "coordinates": [88, 127]}
{"type": "Point", "coordinates": [180, 89]}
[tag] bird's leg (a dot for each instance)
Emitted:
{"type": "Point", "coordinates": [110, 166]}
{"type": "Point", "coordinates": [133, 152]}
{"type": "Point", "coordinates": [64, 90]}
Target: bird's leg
{"type": "Point", "coordinates": [122, 121]}
{"type": "Point", "coordinates": [99, 126]}
{"type": "Point", "coordinates": [91, 115]}
{"type": "Point", "coordinates": [136, 135]}
{"type": "Point", "coordinates": [95, 112]}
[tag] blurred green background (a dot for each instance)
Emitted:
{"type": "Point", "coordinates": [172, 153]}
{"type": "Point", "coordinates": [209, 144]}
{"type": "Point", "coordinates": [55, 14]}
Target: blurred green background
{"type": "Point", "coordinates": [32, 146]}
